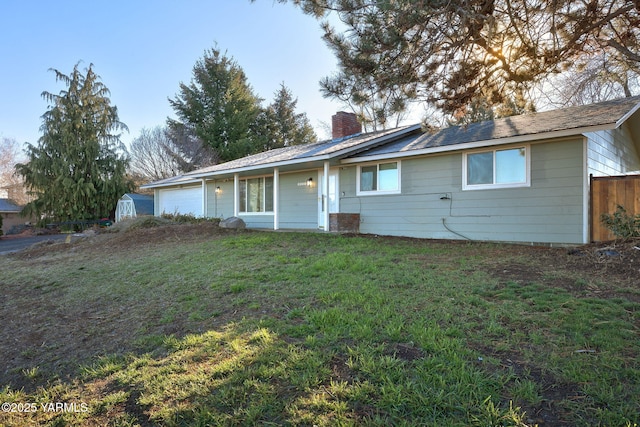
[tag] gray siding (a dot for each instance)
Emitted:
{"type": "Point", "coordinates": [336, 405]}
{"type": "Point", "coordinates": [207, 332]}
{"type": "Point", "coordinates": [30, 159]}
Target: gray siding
{"type": "Point", "coordinates": [262, 220]}
{"type": "Point", "coordinates": [220, 205]}
{"type": "Point", "coordinates": [298, 203]}
{"type": "Point", "coordinates": [612, 152]}
{"type": "Point", "coordinates": [550, 211]}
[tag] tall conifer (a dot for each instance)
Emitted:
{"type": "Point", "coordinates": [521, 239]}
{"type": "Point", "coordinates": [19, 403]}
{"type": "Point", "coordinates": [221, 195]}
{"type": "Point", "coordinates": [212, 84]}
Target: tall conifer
{"type": "Point", "coordinates": [77, 169]}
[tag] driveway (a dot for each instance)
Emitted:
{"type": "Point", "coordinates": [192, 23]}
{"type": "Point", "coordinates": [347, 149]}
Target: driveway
{"type": "Point", "coordinates": [15, 244]}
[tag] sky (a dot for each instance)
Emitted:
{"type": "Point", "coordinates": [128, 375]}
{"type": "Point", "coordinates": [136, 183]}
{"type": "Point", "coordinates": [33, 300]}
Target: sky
{"type": "Point", "coordinates": [143, 50]}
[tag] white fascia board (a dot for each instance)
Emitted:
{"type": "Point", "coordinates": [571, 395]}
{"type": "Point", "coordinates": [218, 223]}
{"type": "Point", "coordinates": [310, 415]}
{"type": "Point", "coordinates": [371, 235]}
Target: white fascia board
{"type": "Point", "coordinates": [172, 184]}
{"type": "Point", "coordinates": [626, 116]}
{"type": "Point", "coordinates": [481, 144]}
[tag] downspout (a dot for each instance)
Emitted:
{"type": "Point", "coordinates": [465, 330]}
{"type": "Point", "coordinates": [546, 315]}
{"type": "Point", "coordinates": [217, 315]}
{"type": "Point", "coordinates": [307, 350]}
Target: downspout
{"type": "Point", "coordinates": [156, 202]}
{"type": "Point", "coordinates": [204, 198]}
{"type": "Point", "coordinates": [276, 199]}
{"type": "Point", "coordinates": [325, 195]}
{"type": "Point", "coordinates": [236, 194]}
{"type": "Point", "coordinates": [586, 192]}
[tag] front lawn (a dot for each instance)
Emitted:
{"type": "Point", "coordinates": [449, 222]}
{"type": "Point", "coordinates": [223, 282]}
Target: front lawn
{"type": "Point", "coordinates": [188, 325]}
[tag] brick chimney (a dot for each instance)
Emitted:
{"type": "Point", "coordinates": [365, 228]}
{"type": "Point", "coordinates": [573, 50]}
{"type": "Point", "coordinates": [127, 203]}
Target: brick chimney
{"type": "Point", "coordinates": [344, 124]}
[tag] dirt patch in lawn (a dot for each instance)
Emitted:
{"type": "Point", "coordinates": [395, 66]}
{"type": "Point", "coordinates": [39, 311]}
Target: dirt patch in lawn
{"type": "Point", "coordinates": [603, 270]}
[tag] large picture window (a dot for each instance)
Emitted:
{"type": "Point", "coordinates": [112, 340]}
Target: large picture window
{"type": "Point", "coordinates": [496, 169]}
{"type": "Point", "coordinates": [256, 195]}
{"type": "Point", "coordinates": [379, 178]}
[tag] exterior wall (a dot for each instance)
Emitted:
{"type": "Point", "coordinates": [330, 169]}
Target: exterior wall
{"type": "Point", "coordinates": [258, 220]}
{"type": "Point", "coordinates": [298, 203]}
{"type": "Point", "coordinates": [433, 205]}
{"type": "Point", "coordinates": [220, 204]}
{"type": "Point", "coordinates": [11, 219]}
{"type": "Point", "coordinates": [612, 152]}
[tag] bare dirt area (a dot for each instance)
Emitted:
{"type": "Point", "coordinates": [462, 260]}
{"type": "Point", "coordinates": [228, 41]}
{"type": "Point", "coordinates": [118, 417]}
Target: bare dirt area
{"type": "Point", "coordinates": [604, 269]}
{"type": "Point", "coordinates": [96, 242]}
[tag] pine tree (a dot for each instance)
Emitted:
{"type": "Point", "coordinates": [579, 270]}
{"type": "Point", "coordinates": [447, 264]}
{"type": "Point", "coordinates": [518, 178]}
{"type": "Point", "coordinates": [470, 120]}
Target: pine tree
{"type": "Point", "coordinates": [448, 53]}
{"type": "Point", "coordinates": [77, 169]}
{"type": "Point", "coordinates": [219, 107]}
{"type": "Point", "coordinates": [285, 127]}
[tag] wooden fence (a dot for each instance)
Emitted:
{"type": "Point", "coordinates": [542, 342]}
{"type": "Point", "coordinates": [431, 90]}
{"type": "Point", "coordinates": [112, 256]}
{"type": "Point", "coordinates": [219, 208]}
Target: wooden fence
{"type": "Point", "coordinates": [606, 194]}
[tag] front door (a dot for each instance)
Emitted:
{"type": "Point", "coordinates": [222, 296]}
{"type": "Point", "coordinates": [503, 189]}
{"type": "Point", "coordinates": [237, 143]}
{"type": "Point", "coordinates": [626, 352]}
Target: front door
{"type": "Point", "coordinates": [328, 197]}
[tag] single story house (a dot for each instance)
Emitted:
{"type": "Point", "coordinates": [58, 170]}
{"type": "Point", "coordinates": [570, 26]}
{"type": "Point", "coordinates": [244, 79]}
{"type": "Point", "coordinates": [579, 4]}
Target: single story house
{"type": "Point", "coordinates": [132, 205]}
{"type": "Point", "coordinates": [10, 213]}
{"type": "Point", "coordinates": [517, 179]}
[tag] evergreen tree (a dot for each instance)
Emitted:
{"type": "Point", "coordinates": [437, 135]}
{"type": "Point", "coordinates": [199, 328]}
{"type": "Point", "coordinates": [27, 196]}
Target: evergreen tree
{"type": "Point", "coordinates": [448, 53]}
{"type": "Point", "coordinates": [77, 170]}
{"type": "Point", "coordinates": [219, 107]}
{"type": "Point", "coordinates": [481, 109]}
{"type": "Point", "coordinates": [283, 126]}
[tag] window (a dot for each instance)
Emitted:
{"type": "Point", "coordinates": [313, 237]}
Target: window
{"type": "Point", "coordinates": [379, 178]}
{"type": "Point", "coordinates": [496, 169]}
{"type": "Point", "coordinates": [256, 195]}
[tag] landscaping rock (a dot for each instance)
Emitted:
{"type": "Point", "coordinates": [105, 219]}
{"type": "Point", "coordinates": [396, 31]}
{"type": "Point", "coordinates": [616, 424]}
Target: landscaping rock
{"type": "Point", "coordinates": [233, 223]}
{"type": "Point", "coordinates": [608, 252]}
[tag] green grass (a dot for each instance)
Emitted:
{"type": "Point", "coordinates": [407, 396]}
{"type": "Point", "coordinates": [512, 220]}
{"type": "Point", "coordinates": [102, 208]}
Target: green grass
{"type": "Point", "coordinates": [313, 329]}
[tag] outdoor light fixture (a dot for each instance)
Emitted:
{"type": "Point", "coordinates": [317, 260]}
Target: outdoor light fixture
{"type": "Point", "coordinates": [310, 182]}
{"type": "Point", "coordinates": [218, 190]}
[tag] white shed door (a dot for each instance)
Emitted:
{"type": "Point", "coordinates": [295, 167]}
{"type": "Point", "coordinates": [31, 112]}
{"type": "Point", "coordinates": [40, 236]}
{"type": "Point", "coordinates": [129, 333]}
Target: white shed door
{"type": "Point", "coordinates": [181, 200]}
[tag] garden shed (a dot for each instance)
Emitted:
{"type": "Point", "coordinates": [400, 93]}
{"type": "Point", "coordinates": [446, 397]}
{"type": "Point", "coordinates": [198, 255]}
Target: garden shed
{"type": "Point", "coordinates": [131, 205]}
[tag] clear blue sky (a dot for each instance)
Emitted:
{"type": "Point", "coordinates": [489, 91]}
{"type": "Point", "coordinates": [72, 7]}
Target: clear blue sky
{"type": "Point", "coordinates": [143, 49]}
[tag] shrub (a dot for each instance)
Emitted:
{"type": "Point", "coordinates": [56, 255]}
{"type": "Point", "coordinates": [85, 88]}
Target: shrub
{"type": "Point", "coordinates": [146, 221]}
{"type": "Point", "coordinates": [622, 224]}
{"type": "Point", "coordinates": [183, 218]}
{"type": "Point", "coordinates": [0, 224]}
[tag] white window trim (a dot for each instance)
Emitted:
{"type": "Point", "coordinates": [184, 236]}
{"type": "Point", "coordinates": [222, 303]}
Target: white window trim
{"type": "Point", "coordinates": [527, 165]}
{"type": "Point", "coordinates": [239, 198]}
{"type": "Point", "coordinates": [378, 192]}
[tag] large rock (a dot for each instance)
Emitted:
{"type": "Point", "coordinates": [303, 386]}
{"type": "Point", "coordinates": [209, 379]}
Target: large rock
{"type": "Point", "coordinates": [234, 223]}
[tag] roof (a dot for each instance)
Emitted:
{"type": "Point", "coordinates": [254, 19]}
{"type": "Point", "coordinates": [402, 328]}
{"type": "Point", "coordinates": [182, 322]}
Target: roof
{"type": "Point", "coordinates": [295, 154]}
{"type": "Point", "coordinates": [8, 206]}
{"type": "Point", "coordinates": [323, 150]}
{"type": "Point", "coordinates": [172, 182]}
{"type": "Point", "coordinates": [527, 127]}
{"type": "Point", "coordinates": [407, 141]}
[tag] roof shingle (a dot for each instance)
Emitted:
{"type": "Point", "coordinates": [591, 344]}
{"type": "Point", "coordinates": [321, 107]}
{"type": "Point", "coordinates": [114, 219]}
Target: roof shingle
{"type": "Point", "coordinates": [580, 117]}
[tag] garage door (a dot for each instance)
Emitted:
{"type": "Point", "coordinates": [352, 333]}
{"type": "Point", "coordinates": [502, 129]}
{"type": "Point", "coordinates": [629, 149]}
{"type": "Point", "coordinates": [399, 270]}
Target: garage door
{"type": "Point", "coordinates": [181, 200]}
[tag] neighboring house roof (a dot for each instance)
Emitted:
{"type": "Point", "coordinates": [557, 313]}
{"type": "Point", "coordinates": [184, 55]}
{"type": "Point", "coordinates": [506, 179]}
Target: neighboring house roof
{"type": "Point", "coordinates": [7, 206]}
{"type": "Point", "coordinates": [528, 127]}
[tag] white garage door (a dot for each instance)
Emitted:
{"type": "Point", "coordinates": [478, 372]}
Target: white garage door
{"type": "Point", "coordinates": [181, 200]}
